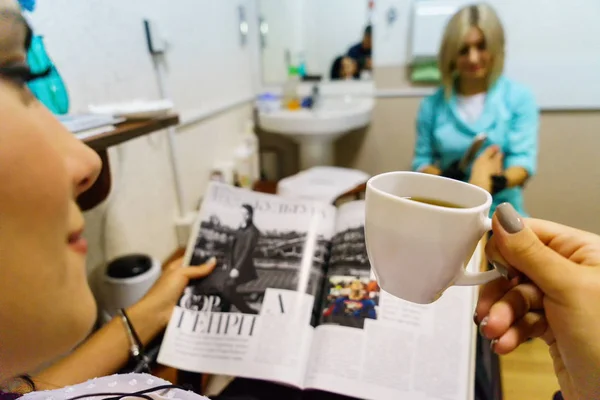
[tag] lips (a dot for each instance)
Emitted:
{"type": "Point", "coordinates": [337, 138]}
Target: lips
{"type": "Point", "coordinates": [77, 242]}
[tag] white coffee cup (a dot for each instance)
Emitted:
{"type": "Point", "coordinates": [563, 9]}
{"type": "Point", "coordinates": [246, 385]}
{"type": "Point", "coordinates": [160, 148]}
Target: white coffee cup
{"type": "Point", "coordinates": [418, 250]}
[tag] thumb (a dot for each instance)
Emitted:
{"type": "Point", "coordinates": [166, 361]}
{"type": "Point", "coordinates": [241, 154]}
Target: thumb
{"type": "Point", "coordinates": [490, 151]}
{"type": "Point", "coordinates": [498, 156]}
{"type": "Point", "coordinates": [200, 271]}
{"type": "Point", "coordinates": [497, 160]}
{"type": "Point", "coordinates": [524, 251]}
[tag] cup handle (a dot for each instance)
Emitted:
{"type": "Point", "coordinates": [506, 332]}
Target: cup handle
{"type": "Point", "coordinates": [479, 278]}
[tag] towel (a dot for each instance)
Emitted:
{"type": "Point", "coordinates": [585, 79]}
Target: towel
{"type": "Point", "coordinates": [427, 72]}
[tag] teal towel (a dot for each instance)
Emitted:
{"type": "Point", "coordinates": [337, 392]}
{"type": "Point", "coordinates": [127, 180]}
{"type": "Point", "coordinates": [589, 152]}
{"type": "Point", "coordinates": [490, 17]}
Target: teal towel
{"type": "Point", "coordinates": [427, 72]}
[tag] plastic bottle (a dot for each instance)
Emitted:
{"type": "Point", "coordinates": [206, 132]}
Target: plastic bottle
{"type": "Point", "coordinates": [268, 102]}
{"type": "Point", "coordinates": [252, 144]}
{"type": "Point", "coordinates": [301, 65]}
{"type": "Point", "coordinates": [291, 100]}
{"type": "Point", "coordinates": [243, 166]}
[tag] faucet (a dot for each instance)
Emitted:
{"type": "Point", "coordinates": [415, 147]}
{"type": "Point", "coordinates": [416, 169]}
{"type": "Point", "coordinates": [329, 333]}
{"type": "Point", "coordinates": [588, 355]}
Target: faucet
{"type": "Point", "coordinates": [287, 59]}
{"type": "Point", "coordinates": [315, 97]}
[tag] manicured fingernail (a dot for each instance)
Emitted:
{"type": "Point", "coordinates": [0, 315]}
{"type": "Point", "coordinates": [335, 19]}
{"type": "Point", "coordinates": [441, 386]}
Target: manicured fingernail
{"type": "Point", "coordinates": [482, 325]}
{"type": "Point", "coordinates": [475, 318]}
{"type": "Point", "coordinates": [509, 218]}
{"type": "Point", "coordinates": [212, 261]}
{"type": "Point", "coordinates": [493, 344]}
{"type": "Point", "coordinates": [507, 272]}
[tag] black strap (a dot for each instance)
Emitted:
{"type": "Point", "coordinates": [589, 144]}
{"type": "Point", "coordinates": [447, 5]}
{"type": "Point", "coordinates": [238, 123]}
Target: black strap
{"type": "Point", "coordinates": [499, 183]}
{"type": "Point", "coordinates": [133, 331]}
{"type": "Point", "coordinates": [142, 360]}
{"type": "Point", "coordinates": [454, 172]}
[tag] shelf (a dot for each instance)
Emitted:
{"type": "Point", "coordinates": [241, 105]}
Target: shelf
{"type": "Point", "coordinates": [130, 130]}
{"type": "Point", "coordinates": [125, 131]}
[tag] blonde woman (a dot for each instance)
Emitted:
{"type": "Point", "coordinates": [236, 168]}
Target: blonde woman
{"type": "Point", "coordinates": [476, 98]}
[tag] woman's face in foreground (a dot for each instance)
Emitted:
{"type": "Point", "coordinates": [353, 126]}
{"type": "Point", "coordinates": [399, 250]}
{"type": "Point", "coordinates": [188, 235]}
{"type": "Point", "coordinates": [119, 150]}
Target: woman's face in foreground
{"type": "Point", "coordinates": [46, 306]}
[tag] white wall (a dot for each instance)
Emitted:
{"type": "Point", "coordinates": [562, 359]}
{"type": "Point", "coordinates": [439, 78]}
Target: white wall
{"type": "Point", "coordinates": [100, 49]}
{"type": "Point", "coordinates": [322, 30]}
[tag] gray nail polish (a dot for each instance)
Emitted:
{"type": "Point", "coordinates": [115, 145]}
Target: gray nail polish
{"type": "Point", "coordinates": [509, 218]}
{"type": "Point", "coordinates": [507, 272]}
{"type": "Point", "coordinates": [482, 325]}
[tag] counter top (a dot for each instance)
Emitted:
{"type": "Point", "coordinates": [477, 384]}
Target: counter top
{"type": "Point", "coordinates": [130, 130]}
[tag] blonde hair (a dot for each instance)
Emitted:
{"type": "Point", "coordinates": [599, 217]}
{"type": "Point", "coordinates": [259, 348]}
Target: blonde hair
{"type": "Point", "coordinates": [484, 17]}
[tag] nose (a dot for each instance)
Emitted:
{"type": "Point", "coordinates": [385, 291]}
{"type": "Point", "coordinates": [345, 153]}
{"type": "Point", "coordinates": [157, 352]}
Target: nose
{"type": "Point", "coordinates": [84, 165]}
{"type": "Point", "coordinates": [474, 55]}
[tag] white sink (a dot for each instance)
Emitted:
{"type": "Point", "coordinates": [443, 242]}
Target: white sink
{"type": "Point", "coordinates": [316, 130]}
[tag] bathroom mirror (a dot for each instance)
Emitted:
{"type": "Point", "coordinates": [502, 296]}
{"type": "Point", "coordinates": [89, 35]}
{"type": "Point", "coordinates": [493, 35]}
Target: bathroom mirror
{"type": "Point", "coordinates": [324, 40]}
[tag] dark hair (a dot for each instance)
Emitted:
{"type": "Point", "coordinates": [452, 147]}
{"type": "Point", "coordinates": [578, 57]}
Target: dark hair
{"type": "Point", "coordinates": [250, 210]}
{"type": "Point", "coordinates": [368, 30]}
{"type": "Point", "coordinates": [336, 68]}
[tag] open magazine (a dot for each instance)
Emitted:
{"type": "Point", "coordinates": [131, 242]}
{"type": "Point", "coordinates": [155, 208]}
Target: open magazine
{"type": "Point", "coordinates": [293, 300]}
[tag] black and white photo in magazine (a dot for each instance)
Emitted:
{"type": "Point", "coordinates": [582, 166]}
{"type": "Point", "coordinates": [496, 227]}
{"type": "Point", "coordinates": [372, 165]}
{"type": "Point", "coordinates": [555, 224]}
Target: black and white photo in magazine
{"type": "Point", "coordinates": [250, 258]}
{"type": "Point", "coordinates": [235, 265]}
{"type": "Point", "coordinates": [348, 248]}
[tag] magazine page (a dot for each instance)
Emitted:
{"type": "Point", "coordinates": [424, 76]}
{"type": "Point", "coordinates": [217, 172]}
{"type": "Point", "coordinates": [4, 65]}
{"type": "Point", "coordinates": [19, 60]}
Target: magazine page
{"type": "Point", "coordinates": [373, 345]}
{"type": "Point", "coordinates": [251, 317]}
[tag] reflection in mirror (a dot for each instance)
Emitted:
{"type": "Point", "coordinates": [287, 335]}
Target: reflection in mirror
{"type": "Point", "coordinates": [321, 40]}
